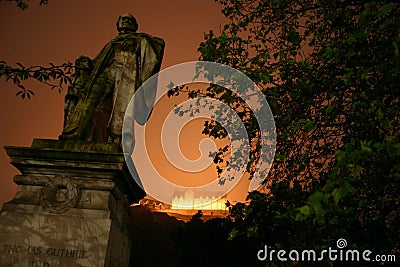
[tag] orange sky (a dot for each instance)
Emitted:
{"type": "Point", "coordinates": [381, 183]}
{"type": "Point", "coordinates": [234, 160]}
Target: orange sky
{"type": "Point", "coordinates": [63, 30]}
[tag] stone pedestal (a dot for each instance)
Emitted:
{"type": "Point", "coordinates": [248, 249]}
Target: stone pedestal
{"type": "Point", "coordinates": [70, 207]}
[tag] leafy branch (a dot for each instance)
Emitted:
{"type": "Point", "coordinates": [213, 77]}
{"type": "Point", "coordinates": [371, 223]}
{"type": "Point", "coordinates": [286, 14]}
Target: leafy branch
{"type": "Point", "coordinates": [21, 4]}
{"type": "Point", "coordinates": [54, 76]}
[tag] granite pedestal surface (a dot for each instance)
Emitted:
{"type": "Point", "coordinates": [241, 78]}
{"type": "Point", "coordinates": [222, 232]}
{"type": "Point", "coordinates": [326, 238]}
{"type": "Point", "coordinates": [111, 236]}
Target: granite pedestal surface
{"type": "Point", "coordinates": [70, 208]}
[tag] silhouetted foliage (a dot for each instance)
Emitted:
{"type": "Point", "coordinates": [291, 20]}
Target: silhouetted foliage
{"type": "Point", "coordinates": [206, 244]}
{"type": "Point", "coordinates": [21, 4]}
{"type": "Point", "coordinates": [330, 72]}
{"type": "Point", "coordinates": [54, 76]}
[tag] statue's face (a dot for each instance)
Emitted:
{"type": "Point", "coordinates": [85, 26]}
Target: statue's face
{"type": "Point", "coordinates": [126, 23]}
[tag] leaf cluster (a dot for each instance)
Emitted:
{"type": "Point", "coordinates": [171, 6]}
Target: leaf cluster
{"type": "Point", "coordinates": [21, 4]}
{"type": "Point", "coordinates": [330, 72]}
{"type": "Point", "coordinates": [55, 76]}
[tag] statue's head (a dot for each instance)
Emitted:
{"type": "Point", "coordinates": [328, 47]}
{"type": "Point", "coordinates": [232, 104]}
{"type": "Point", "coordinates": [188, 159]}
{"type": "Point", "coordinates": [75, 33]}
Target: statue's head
{"type": "Point", "coordinates": [126, 23]}
{"type": "Point", "coordinates": [83, 63]}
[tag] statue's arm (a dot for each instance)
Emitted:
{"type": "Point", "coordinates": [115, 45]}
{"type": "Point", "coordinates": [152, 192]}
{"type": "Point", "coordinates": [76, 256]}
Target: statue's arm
{"type": "Point", "coordinates": [152, 50]}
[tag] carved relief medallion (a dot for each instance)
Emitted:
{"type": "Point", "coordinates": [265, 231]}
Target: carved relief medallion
{"type": "Point", "coordinates": [60, 194]}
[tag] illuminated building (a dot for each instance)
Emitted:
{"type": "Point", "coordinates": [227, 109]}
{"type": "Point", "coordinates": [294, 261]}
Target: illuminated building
{"type": "Point", "coordinates": [188, 200]}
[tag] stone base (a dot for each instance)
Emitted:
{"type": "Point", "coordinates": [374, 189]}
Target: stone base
{"type": "Point", "coordinates": [70, 208]}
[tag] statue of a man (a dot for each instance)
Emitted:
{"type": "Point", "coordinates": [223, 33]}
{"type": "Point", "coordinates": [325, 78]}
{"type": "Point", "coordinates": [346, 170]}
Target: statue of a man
{"type": "Point", "coordinates": [119, 69]}
{"type": "Point", "coordinates": [77, 88]}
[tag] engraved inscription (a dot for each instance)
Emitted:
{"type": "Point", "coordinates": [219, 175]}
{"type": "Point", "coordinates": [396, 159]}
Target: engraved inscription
{"type": "Point", "coordinates": [40, 251]}
{"type": "Point", "coordinates": [17, 249]}
{"type": "Point", "coordinates": [62, 252]}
